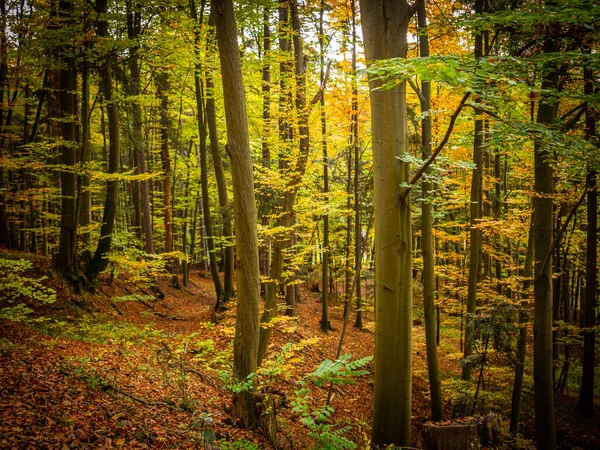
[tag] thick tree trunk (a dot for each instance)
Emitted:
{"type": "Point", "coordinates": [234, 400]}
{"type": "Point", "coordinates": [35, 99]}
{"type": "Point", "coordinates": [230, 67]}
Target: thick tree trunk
{"type": "Point", "coordinates": [99, 260]}
{"type": "Point", "coordinates": [384, 29]}
{"type": "Point", "coordinates": [238, 146]}
{"type": "Point", "coordinates": [427, 237]}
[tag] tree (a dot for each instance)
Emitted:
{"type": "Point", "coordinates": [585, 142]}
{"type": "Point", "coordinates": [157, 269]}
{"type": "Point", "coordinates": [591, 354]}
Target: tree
{"type": "Point", "coordinates": [543, 232]}
{"type": "Point", "coordinates": [134, 25]}
{"type": "Point", "coordinates": [475, 210]}
{"type": "Point", "coordinates": [66, 261]}
{"type": "Point", "coordinates": [99, 261]}
{"type": "Point", "coordinates": [427, 235]}
{"type": "Point", "coordinates": [384, 29]}
{"type": "Point", "coordinates": [238, 148]}
{"type": "Point", "coordinates": [586, 391]}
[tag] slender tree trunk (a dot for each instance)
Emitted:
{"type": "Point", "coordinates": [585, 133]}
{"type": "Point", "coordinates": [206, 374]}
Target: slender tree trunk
{"type": "Point", "coordinates": [475, 209]}
{"type": "Point", "coordinates": [206, 217]}
{"type": "Point", "coordinates": [85, 197]}
{"type": "Point", "coordinates": [4, 231]}
{"type": "Point", "coordinates": [357, 202]}
{"type": "Point", "coordinates": [99, 261]}
{"type": "Point", "coordinates": [586, 391]}
{"type": "Point", "coordinates": [211, 118]}
{"type": "Point", "coordinates": [427, 237]}
{"type": "Point", "coordinates": [543, 230]}
{"type": "Point", "coordinates": [522, 340]}
{"type": "Point", "coordinates": [287, 216]}
{"type": "Point", "coordinates": [238, 147]}
{"type": "Point", "coordinates": [162, 91]}
{"type": "Point", "coordinates": [134, 24]}
{"type": "Point", "coordinates": [384, 29]}
{"type": "Point", "coordinates": [67, 98]}
{"type": "Point", "coordinates": [266, 148]}
{"type": "Point", "coordinates": [326, 250]}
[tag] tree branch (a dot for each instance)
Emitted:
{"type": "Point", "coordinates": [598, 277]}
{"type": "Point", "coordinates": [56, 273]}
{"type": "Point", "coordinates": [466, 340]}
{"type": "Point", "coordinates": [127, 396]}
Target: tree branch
{"type": "Point", "coordinates": [563, 229]}
{"type": "Point", "coordinates": [439, 148]}
{"type": "Point", "coordinates": [319, 93]}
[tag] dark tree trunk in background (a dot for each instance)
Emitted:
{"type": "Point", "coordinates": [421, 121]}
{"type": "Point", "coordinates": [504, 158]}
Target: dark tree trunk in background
{"type": "Point", "coordinates": [543, 231]}
{"type": "Point", "coordinates": [586, 391]}
{"type": "Point", "coordinates": [66, 262]}
{"type": "Point", "coordinates": [99, 261]}
{"type": "Point", "coordinates": [134, 24]}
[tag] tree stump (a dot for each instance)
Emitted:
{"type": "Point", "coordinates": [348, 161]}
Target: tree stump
{"type": "Point", "coordinates": [467, 434]}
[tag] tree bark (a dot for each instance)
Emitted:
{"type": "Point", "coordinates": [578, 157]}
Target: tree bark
{"type": "Point", "coordinates": [211, 118]}
{"type": "Point", "coordinates": [238, 147]}
{"type": "Point", "coordinates": [99, 261]}
{"type": "Point", "coordinates": [202, 122]}
{"type": "Point", "coordinates": [134, 24]}
{"type": "Point", "coordinates": [586, 391]}
{"type": "Point", "coordinates": [475, 209]}
{"type": "Point", "coordinates": [427, 237]}
{"type": "Point", "coordinates": [326, 251]}
{"type": "Point", "coordinates": [67, 99]}
{"type": "Point", "coordinates": [162, 91]}
{"type": "Point", "coordinates": [543, 231]}
{"type": "Point", "coordinates": [384, 29]}
{"type": "Point", "coordinates": [522, 339]}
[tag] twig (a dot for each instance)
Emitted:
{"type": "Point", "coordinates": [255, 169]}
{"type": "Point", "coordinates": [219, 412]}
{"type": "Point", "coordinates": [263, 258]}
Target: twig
{"type": "Point", "coordinates": [439, 148]}
{"type": "Point", "coordinates": [319, 93]}
{"type": "Point", "coordinates": [562, 230]}
{"type": "Point", "coordinates": [139, 400]}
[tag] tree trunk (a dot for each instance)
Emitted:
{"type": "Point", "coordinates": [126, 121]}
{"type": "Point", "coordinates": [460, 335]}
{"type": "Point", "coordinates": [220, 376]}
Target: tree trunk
{"type": "Point", "coordinates": [427, 237]}
{"type": "Point", "coordinates": [211, 118]}
{"type": "Point", "coordinates": [134, 24]}
{"type": "Point", "coordinates": [289, 197]}
{"type": "Point", "coordinates": [162, 91]}
{"type": "Point", "coordinates": [206, 217]}
{"type": "Point", "coordinates": [99, 260]}
{"type": "Point", "coordinates": [67, 99]}
{"type": "Point", "coordinates": [384, 29]}
{"type": "Point", "coordinates": [586, 391]}
{"type": "Point", "coordinates": [522, 340]}
{"type": "Point", "coordinates": [543, 224]}
{"type": "Point", "coordinates": [4, 231]}
{"type": "Point", "coordinates": [358, 240]}
{"type": "Point", "coordinates": [475, 209]}
{"type": "Point", "coordinates": [266, 148]}
{"type": "Point", "coordinates": [326, 251]}
{"type": "Point", "coordinates": [238, 146]}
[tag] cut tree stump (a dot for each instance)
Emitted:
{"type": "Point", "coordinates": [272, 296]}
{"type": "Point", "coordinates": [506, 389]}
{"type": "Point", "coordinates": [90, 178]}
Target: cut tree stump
{"type": "Point", "coordinates": [472, 433]}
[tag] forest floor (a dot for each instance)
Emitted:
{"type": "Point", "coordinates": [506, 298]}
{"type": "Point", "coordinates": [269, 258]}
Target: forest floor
{"type": "Point", "coordinates": [124, 369]}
